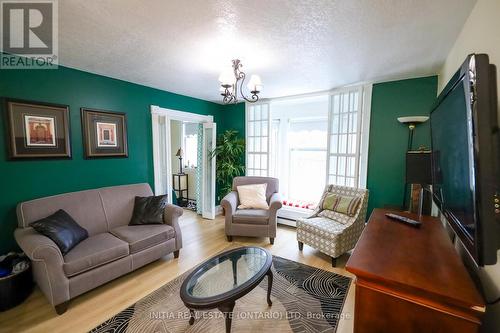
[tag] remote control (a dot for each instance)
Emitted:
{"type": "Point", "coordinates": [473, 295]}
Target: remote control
{"type": "Point", "coordinates": [403, 219]}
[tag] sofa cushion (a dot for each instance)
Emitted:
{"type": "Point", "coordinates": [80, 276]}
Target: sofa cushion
{"type": "Point", "coordinates": [62, 229]}
{"type": "Point", "coordinates": [252, 196]}
{"type": "Point", "coordinates": [321, 226]}
{"type": "Point", "coordinates": [118, 202]}
{"type": "Point", "coordinates": [148, 210]}
{"type": "Point", "coordinates": [85, 207]}
{"type": "Point", "coordinates": [347, 205]}
{"type": "Point", "coordinates": [92, 252]}
{"type": "Point", "coordinates": [251, 216]}
{"type": "Point", "coordinates": [140, 237]}
{"type": "Point", "coordinates": [337, 217]}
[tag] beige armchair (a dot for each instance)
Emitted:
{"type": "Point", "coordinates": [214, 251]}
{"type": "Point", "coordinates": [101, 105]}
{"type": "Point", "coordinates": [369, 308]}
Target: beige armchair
{"type": "Point", "coordinates": [337, 234]}
{"type": "Point", "coordinates": [252, 222]}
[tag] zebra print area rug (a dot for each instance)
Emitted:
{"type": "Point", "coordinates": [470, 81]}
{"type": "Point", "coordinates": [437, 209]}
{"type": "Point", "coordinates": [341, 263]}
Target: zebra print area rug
{"type": "Point", "coordinates": [305, 299]}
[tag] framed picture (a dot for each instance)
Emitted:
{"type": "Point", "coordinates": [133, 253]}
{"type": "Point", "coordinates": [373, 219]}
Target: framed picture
{"type": "Point", "coordinates": [37, 130]}
{"type": "Point", "coordinates": [104, 133]}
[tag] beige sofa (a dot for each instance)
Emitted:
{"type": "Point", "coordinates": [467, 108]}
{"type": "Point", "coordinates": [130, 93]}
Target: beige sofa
{"type": "Point", "coordinates": [112, 249]}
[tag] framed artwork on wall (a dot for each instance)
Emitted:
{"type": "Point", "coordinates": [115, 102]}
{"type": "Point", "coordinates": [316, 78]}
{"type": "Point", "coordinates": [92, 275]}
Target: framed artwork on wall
{"type": "Point", "coordinates": [104, 133]}
{"type": "Point", "coordinates": [37, 130]}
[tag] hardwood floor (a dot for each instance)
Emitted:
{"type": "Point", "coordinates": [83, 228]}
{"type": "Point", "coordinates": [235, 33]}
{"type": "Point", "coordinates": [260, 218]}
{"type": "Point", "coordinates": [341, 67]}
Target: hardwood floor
{"type": "Point", "coordinates": [201, 240]}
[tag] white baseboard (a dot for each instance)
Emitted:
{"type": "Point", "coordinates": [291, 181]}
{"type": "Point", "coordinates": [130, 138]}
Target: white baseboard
{"type": "Point", "coordinates": [287, 222]}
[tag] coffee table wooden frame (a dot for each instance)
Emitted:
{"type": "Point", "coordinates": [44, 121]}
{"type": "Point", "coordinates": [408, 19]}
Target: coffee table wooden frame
{"type": "Point", "coordinates": [225, 302]}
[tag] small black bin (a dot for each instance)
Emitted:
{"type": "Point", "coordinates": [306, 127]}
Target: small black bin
{"type": "Point", "coordinates": [14, 289]}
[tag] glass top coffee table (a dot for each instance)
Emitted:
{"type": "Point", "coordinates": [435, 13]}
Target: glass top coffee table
{"type": "Point", "coordinates": [221, 280]}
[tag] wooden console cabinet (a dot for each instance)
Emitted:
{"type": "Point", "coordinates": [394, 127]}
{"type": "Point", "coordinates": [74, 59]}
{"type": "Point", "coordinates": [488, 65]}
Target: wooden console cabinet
{"type": "Point", "coordinates": [411, 279]}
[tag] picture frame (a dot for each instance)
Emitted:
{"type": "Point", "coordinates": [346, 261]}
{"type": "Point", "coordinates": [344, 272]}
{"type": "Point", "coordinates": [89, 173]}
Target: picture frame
{"type": "Point", "coordinates": [37, 130]}
{"type": "Point", "coordinates": [104, 133]}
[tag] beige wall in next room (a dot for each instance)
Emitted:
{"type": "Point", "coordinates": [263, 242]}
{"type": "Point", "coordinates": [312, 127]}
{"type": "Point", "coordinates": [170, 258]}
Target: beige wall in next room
{"type": "Point", "coordinates": [480, 34]}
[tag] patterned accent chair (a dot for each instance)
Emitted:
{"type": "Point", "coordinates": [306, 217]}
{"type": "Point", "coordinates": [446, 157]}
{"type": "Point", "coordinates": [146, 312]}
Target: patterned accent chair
{"type": "Point", "coordinates": [338, 233]}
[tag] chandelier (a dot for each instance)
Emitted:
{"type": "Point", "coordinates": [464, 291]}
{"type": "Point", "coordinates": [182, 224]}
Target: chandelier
{"type": "Point", "coordinates": [231, 84]}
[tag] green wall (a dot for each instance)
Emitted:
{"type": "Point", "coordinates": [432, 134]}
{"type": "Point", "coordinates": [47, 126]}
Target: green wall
{"type": "Point", "coordinates": [24, 180]}
{"type": "Point", "coordinates": [389, 138]}
{"type": "Point", "coordinates": [232, 117]}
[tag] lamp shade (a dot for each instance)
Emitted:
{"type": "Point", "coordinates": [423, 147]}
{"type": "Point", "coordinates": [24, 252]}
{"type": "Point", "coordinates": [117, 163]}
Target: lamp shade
{"type": "Point", "coordinates": [179, 152]}
{"type": "Point", "coordinates": [413, 119]}
{"type": "Point", "coordinates": [227, 77]}
{"type": "Point", "coordinates": [255, 83]}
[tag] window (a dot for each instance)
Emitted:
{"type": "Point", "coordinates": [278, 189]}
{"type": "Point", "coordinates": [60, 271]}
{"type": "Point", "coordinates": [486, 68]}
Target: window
{"type": "Point", "coordinates": [310, 141]}
{"type": "Point", "coordinates": [257, 140]}
{"type": "Point", "coordinates": [274, 152]}
{"type": "Point", "coordinates": [190, 144]}
{"type": "Point", "coordinates": [344, 138]}
{"type": "Point", "coordinates": [307, 146]}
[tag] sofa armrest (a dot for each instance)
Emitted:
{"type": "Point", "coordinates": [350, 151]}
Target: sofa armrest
{"type": "Point", "coordinates": [274, 205]}
{"type": "Point", "coordinates": [275, 202]}
{"type": "Point", "coordinates": [37, 246]}
{"type": "Point", "coordinates": [229, 203]}
{"type": "Point", "coordinates": [47, 261]}
{"type": "Point", "coordinates": [171, 216]}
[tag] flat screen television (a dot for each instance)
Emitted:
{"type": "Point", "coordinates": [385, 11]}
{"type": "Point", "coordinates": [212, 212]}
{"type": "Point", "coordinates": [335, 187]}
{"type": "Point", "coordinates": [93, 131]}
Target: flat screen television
{"type": "Point", "coordinates": [465, 157]}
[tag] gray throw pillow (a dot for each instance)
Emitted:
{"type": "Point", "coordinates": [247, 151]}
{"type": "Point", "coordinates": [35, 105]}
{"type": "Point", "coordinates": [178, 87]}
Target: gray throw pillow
{"type": "Point", "coordinates": [62, 229]}
{"type": "Point", "coordinates": [148, 210]}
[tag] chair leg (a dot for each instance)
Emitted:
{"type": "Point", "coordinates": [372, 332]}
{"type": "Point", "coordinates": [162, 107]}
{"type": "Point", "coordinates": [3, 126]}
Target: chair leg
{"type": "Point", "coordinates": [271, 239]}
{"type": "Point", "coordinates": [61, 308]}
{"type": "Point", "coordinates": [176, 254]}
{"type": "Point", "coordinates": [301, 246]}
{"type": "Point", "coordinates": [229, 238]}
{"type": "Point", "coordinates": [334, 262]}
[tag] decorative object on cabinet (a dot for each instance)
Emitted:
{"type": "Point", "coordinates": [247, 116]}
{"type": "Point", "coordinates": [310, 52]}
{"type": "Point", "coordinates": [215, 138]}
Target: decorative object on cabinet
{"type": "Point", "coordinates": [179, 154]}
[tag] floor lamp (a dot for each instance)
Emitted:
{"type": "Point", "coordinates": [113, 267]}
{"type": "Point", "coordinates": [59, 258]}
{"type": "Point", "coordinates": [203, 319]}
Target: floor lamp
{"type": "Point", "coordinates": [411, 122]}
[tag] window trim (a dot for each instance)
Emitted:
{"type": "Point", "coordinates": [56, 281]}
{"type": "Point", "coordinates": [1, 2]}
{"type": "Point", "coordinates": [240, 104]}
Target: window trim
{"type": "Point", "coordinates": [362, 133]}
{"type": "Point", "coordinates": [363, 126]}
{"type": "Point", "coordinates": [247, 136]}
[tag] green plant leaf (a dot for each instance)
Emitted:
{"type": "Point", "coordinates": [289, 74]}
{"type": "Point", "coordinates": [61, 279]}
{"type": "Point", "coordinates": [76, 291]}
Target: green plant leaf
{"type": "Point", "coordinates": [229, 153]}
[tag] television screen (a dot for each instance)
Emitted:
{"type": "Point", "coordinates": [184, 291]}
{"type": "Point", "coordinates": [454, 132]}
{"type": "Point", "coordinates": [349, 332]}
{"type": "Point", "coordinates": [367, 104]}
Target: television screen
{"type": "Point", "coordinates": [452, 147]}
{"type": "Point", "coordinates": [465, 157]}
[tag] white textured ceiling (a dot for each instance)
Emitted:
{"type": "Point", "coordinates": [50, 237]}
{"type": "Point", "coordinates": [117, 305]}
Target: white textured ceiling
{"type": "Point", "coordinates": [296, 46]}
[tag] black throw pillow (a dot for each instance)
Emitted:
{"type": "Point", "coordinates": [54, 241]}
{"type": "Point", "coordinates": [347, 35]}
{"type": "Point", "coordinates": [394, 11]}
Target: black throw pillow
{"type": "Point", "coordinates": [148, 210]}
{"type": "Point", "coordinates": [62, 229]}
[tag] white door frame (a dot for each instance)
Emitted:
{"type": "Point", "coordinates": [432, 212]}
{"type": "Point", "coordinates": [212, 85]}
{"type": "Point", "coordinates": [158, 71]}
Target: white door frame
{"type": "Point", "coordinates": [169, 115]}
{"type": "Point", "coordinates": [208, 208]}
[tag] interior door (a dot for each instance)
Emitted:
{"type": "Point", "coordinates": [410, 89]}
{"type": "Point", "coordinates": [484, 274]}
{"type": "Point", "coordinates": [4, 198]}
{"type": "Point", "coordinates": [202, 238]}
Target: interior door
{"type": "Point", "coordinates": [208, 183]}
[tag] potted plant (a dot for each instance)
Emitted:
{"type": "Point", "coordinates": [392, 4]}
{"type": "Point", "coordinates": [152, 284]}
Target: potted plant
{"type": "Point", "coordinates": [230, 150]}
